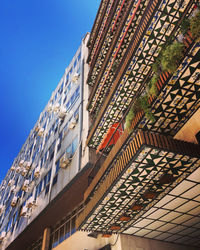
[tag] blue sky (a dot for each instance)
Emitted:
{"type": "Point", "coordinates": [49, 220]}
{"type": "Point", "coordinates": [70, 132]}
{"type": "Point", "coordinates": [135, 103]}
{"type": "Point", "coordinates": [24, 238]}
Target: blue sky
{"type": "Point", "coordinates": [38, 40]}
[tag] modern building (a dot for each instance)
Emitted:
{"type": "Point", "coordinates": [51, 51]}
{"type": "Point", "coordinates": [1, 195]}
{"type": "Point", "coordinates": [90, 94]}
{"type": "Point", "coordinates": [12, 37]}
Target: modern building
{"type": "Point", "coordinates": [44, 186]}
{"type": "Point", "coordinates": [120, 167]}
{"type": "Point", "coordinates": [144, 124]}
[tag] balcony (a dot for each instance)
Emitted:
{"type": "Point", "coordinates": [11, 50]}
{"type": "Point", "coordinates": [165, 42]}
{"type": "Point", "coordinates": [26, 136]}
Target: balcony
{"type": "Point", "coordinates": [150, 171]}
{"type": "Point", "coordinates": [136, 68]}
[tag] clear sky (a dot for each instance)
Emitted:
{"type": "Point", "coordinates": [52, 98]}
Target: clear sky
{"type": "Point", "coordinates": [38, 39]}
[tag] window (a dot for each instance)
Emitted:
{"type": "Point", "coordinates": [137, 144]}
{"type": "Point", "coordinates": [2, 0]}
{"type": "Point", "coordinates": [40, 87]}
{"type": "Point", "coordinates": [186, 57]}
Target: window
{"type": "Point", "coordinates": [74, 145]}
{"type": "Point", "coordinates": [60, 141]}
{"type": "Point", "coordinates": [79, 56]}
{"type": "Point", "coordinates": [63, 231]}
{"type": "Point", "coordinates": [67, 78]}
{"type": "Point", "coordinates": [57, 166]}
{"type": "Point", "coordinates": [55, 180]}
{"type": "Point", "coordinates": [73, 98]}
{"type": "Point", "coordinates": [51, 150]}
{"type": "Point", "coordinates": [70, 71]}
{"type": "Point", "coordinates": [75, 63]}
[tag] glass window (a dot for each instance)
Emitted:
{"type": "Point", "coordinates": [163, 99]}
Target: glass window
{"type": "Point", "coordinates": [67, 230]}
{"type": "Point", "coordinates": [69, 87]}
{"type": "Point", "coordinates": [73, 228]}
{"type": "Point", "coordinates": [74, 145]}
{"type": "Point", "coordinates": [55, 180]}
{"type": "Point", "coordinates": [57, 166]}
{"type": "Point", "coordinates": [62, 236]}
{"type": "Point", "coordinates": [47, 189]}
{"type": "Point", "coordinates": [79, 56]}
{"type": "Point", "coordinates": [75, 63]}
{"type": "Point", "coordinates": [45, 181]}
{"type": "Point", "coordinates": [55, 239]}
{"type": "Point", "coordinates": [48, 176]}
{"type": "Point", "coordinates": [67, 78]}
{"type": "Point", "coordinates": [70, 71]}
{"type": "Point", "coordinates": [40, 187]}
{"type": "Point", "coordinates": [68, 105]}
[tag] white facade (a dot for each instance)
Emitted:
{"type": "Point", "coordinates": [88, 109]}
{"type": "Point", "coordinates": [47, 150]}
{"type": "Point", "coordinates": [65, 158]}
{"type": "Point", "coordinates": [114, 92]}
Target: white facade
{"type": "Point", "coordinates": [50, 157]}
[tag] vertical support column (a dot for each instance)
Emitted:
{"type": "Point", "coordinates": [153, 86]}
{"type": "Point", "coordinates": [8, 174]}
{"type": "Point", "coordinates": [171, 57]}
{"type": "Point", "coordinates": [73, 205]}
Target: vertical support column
{"type": "Point", "coordinates": [46, 239]}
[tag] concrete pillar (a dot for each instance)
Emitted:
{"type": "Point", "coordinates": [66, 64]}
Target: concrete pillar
{"type": "Point", "coordinates": [46, 238]}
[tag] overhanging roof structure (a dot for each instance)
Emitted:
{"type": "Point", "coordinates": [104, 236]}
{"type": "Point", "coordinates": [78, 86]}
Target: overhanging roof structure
{"type": "Point", "coordinates": [154, 182]}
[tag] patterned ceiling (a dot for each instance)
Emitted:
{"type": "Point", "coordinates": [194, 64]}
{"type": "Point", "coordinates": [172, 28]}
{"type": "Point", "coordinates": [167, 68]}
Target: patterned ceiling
{"type": "Point", "coordinates": [141, 169]}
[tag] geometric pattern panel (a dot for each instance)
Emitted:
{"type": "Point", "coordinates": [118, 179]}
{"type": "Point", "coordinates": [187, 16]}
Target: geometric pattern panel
{"type": "Point", "coordinates": [109, 36]}
{"type": "Point", "coordinates": [144, 171]}
{"type": "Point", "coordinates": [176, 217]}
{"type": "Point", "coordinates": [138, 68]}
{"type": "Point", "coordinates": [180, 97]}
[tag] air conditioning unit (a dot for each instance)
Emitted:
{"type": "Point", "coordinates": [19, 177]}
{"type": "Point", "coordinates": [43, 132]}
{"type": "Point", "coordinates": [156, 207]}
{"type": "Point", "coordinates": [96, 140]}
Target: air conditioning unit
{"type": "Point", "coordinates": [65, 160]}
{"type": "Point", "coordinates": [24, 211]}
{"type": "Point", "coordinates": [2, 235]}
{"type": "Point", "coordinates": [17, 188]}
{"type": "Point", "coordinates": [56, 107]}
{"type": "Point", "coordinates": [12, 189]}
{"type": "Point", "coordinates": [37, 128]}
{"type": "Point", "coordinates": [14, 201]}
{"type": "Point", "coordinates": [41, 132]}
{"type": "Point", "coordinates": [75, 77]}
{"type": "Point", "coordinates": [21, 163]}
{"type": "Point", "coordinates": [12, 168]}
{"type": "Point", "coordinates": [31, 202]}
{"type": "Point", "coordinates": [24, 172]}
{"type": "Point", "coordinates": [25, 185]}
{"type": "Point", "coordinates": [18, 169]}
{"type": "Point", "coordinates": [27, 165]}
{"type": "Point", "coordinates": [50, 108]}
{"type": "Point", "coordinates": [62, 113]}
{"type": "Point", "coordinates": [73, 123]}
{"type": "Point", "coordinates": [11, 182]}
{"type": "Point", "coordinates": [37, 172]}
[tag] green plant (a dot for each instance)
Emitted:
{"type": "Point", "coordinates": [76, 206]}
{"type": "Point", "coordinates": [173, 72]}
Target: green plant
{"type": "Point", "coordinates": [185, 25]}
{"type": "Point", "coordinates": [156, 66]}
{"type": "Point", "coordinates": [171, 56]}
{"type": "Point", "coordinates": [195, 25]}
{"type": "Point", "coordinates": [152, 87]}
{"type": "Point", "coordinates": [144, 105]}
{"type": "Point", "coordinates": [129, 118]}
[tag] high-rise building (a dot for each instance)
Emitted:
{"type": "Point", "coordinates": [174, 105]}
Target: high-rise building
{"type": "Point", "coordinates": [126, 176]}
{"type": "Point", "coordinates": [45, 182]}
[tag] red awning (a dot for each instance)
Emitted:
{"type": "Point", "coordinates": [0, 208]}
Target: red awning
{"type": "Point", "coordinates": [111, 133]}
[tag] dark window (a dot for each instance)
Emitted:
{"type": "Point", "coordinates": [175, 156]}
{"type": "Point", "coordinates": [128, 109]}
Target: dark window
{"type": "Point", "coordinates": [47, 189]}
{"type": "Point", "coordinates": [55, 180]}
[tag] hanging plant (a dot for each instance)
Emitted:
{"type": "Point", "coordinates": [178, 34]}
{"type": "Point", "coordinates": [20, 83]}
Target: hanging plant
{"type": "Point", "coordinates": [195, 25]}
{"type": "Point", "coordinates": [156, 66]}
{"type": "Point", "coordinates": [144, 105]}
{"type": "Point", "coordinates": [185, 25]}
{"type": "Point", "coordinates": [152, 87]}
{"type": "Point", "coordinates": [129, 118]}
{"type": "Point", "coordinates": [171, 56]}
{"type": "Point", "coordinates": [140, 104]}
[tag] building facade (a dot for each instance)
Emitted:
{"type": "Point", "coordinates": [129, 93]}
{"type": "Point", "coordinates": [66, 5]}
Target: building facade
{"type": "Point", "coordinates": [144, 123]}
{"type": "Point", "coordinates": [128, 176]}
{"type": "Point", "coordinates": [50, 159]}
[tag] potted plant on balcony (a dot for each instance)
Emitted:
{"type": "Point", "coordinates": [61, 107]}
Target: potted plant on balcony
{"type": "Point", "coordinates": [171, 56]}
{"type": "Point", "coordinates": [195, 25]}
